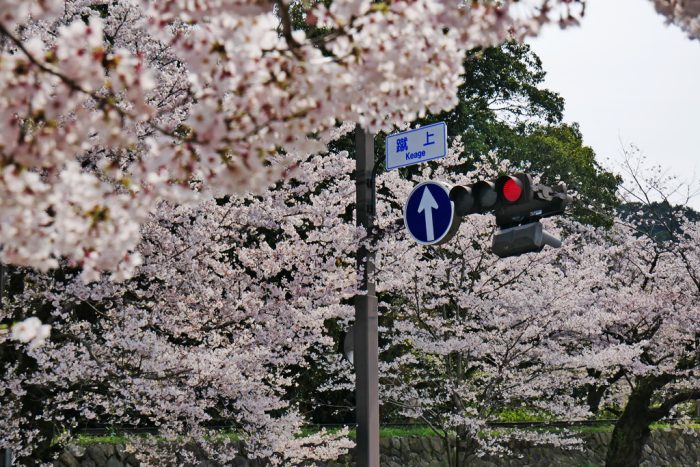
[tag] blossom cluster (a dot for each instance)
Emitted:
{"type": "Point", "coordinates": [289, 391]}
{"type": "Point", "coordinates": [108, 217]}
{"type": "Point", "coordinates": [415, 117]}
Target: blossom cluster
{"type": "Point", "coordinates": [31, 331]}
{"type": "Point", "coordinates": [685, 14]}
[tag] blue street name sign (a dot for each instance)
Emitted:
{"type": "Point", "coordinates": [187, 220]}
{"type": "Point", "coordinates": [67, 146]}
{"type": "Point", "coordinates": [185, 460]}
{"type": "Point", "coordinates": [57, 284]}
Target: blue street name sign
{"type": "Point", "coordinates": [426, 143]}
{"type": "Point", "coordinates": [429, 214]}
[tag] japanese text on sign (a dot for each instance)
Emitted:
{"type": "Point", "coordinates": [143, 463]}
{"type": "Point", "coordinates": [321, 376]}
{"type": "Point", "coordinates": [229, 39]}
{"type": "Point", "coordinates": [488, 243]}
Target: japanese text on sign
{"type": "Point", "coordinates": [415, 146]}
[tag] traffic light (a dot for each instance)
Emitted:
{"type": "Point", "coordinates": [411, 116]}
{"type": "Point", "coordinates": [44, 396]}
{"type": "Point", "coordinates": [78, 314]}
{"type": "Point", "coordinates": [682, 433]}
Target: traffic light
{"type": "Point", "coordinates": [518, 205]}
{"type": "Point", "coordinates": [485, 196]}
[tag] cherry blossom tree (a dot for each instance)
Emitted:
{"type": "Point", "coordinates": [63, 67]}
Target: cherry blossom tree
{"type": "Point", "coordinates": [474, 335]}
{"type": "Point", "coordinates": [637, 336]}
{"type": "Point", "coordinates": [234, 292]}
{"type": "Point", "coordinates": [214, 327]}
{"type": "Point", "coordinates": [613, 312]}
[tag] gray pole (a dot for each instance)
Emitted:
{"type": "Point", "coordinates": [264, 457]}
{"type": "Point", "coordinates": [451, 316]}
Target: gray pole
{"type": "Point", "coordinates": [366, 335]}
{"type": "Point", "coordinates": [7, 453]}
{"type": "Point", "coordinates": [697, 361]}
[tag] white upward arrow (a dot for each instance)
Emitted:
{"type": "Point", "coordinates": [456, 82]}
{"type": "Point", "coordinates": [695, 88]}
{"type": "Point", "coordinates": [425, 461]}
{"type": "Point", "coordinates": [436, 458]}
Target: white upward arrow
{"type": "Point", "coordinates": [427, 204]}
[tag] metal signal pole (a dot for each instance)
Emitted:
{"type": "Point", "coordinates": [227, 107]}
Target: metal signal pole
{"type": "Point", "coordinates": [7, 452]}
{"type": "Point", "coordinates": [366, 343]}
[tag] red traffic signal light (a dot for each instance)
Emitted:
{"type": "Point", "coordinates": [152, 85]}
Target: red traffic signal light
{"type": "Point", "coordinates": [535, 202]}
{"type": "Point", "coordinates": [512, 188]}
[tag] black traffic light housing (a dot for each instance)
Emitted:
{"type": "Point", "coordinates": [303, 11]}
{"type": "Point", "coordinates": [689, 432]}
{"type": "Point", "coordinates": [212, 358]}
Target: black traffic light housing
{"type": "Point", "coordinates": [518, 205]}
{"type": "Point", "coordinates": [480, 197]}
{"type": "Point", "coordinates": [535, 203]}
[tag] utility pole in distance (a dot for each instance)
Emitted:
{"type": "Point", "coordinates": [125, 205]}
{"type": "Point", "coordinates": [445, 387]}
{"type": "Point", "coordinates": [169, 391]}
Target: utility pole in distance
{"type": "Point", "coordinates": [366, 342]}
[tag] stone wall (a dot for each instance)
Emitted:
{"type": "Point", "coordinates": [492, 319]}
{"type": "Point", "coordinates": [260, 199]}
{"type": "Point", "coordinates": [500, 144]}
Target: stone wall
{"type": "Point", "coordinates": [666, 447]}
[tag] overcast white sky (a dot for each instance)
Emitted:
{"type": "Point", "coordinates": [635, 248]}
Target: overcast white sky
{"type": "Point", "coordinates": [626, 76]}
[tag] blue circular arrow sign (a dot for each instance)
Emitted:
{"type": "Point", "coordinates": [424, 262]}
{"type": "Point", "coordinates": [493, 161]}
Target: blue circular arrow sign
{"type": "Point", "coordinates": [429, 214]}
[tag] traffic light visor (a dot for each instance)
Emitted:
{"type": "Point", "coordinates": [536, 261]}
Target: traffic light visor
{"type": "Point", "coordinates": [485, 194]}
{"type": "Point", "coordinates": [463, 199]}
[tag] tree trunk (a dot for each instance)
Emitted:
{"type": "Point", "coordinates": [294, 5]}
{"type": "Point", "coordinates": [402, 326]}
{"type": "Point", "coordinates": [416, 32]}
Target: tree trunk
{"type": "Point", "coordinates": [448, 450]}
{"type": "Point", "coordinates": [631, 430]}
{"type": "Point", "coordinates": [625, 448]}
